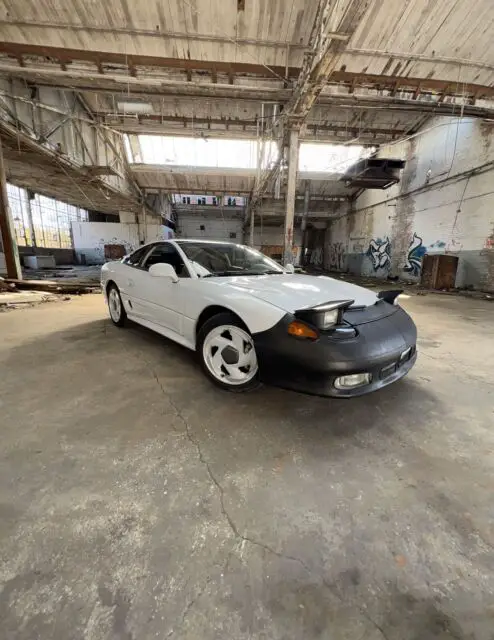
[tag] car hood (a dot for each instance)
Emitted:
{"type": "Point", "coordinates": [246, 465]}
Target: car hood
{"type": "Point", "coordinates": [292, 292]}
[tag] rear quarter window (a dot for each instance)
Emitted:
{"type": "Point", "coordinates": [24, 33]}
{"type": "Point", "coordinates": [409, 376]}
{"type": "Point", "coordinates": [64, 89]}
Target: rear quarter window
{"type": "Point", "coordinates": [135, 258]}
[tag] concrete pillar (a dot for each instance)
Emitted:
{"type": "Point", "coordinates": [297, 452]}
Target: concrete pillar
{"type": "Point", "coordinates": [9, 243]}
{"type": "Point", "coordinates": [142, 228]}
{"type": "Point", "coordinates": [127, 217]}
{"type": "Point", "coordinates": [290, 197]}
{"type": "Point", "coordinates": [30, 196]}
{"type": "Point", "coordinates": [304, 222]}
{"type": "Point", "coordinates": [251, 228]}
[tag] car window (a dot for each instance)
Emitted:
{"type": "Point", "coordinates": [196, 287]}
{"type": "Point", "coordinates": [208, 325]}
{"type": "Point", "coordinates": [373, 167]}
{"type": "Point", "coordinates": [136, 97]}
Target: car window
{"type": "Point", "coordinates": [166, 253]}
{"type": "Point", "coordinates": [135, 258]}
{"type": "Point", "coordinates": [227, 259]}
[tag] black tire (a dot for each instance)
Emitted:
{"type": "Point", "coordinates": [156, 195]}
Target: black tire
{"type": "Point", "coordinates": [224, 320]}
{"type": "Point", "coordinates": [118, 318]}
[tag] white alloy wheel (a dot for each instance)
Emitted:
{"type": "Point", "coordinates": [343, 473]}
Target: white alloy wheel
{"type": "Point", "coordinates": [115, 305]}
{"type": "Point", "coordinates": [229, 355]}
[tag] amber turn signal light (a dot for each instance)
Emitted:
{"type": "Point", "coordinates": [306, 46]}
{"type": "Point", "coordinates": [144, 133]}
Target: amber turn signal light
{"type": "Point", "coordinates": [302, 330]}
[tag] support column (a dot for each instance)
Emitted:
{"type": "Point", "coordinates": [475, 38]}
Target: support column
{"type": "Point", "coordinates": [142, 228]}
{"type": "Point", "coordinates": [304, 222]}
{"type": "Point", "coordinates": [290, 197]}
{"type": "Point", "coordinates": [251, 227]}
{"type": "Point", "coordinates": [30, 196]}
{"type": "Point", "coordinates": [7, 228]}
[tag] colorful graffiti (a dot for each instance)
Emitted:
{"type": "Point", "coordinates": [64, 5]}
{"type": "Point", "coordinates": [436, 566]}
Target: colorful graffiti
{"type": "Point", "coordinates": [379, 252]}
{"type": "Point", "coordinates": [336, 256]}
{"type": "Point", "coordinates": [416, 252]}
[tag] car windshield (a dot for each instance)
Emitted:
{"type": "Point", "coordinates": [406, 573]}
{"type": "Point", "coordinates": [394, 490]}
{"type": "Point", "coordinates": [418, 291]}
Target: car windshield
{"type": "Point", "coordinates": [228, 259]}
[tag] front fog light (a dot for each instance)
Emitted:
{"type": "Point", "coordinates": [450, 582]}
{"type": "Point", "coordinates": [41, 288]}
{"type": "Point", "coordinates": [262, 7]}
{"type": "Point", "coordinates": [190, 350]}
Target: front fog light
{"type": "Point", "coordinates": [354, 380]}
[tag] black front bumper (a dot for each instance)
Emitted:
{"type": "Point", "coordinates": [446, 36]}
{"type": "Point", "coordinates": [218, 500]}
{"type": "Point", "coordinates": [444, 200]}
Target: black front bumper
{"type": "Point", "coordinates": [313, 366]}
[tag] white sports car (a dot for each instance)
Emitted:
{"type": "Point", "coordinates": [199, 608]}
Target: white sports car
{"type": "Point", "coordinates": [249, 319]}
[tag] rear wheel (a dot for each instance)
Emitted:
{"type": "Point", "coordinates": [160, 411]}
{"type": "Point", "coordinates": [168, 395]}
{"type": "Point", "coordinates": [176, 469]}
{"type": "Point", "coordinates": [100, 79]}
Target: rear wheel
{"type": "Point", "coordinates": [115, 306]}
{"type": "Point", "coordinates": [227, 353]}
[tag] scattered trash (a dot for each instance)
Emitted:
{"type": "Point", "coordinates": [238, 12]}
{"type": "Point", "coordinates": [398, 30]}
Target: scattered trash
{"type": "Point", "coordinates": [400, 561]}
{"type": "Point", "coordinates": [18, 298]}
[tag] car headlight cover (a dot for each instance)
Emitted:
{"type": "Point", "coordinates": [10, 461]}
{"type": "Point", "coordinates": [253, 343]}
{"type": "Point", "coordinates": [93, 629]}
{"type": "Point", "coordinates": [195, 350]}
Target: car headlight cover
{"type": "Point", "coordinates": [324, 316]}
{"type": "Point", "coordinates": [330, 318]}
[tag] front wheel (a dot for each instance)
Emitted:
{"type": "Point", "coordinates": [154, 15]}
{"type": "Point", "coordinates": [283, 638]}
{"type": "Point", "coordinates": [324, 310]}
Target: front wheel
{"type": "Point", "coordinates": [115, 306]}
{"type": "Point", "coordinates": [227, 353]}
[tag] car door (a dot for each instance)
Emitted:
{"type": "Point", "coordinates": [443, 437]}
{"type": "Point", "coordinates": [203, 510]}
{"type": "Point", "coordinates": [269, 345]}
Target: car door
{"type": "Point", "coordinates": [125, 279]}
{"type": "Point", "coordinates": [160, 300]}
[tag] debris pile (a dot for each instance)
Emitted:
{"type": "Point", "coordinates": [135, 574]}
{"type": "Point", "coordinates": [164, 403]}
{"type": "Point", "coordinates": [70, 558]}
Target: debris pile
{"type": "Point", "coordinates": [22, 293]}
{"type": "Point", "coordinates": [55, 286]}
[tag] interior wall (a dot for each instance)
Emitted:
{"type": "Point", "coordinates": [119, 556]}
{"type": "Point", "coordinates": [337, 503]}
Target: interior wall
{"type": "Point", "coordinates": [90, 238]}
{"type": "Point", "coordinates": [443, 204]}
{"type": "Point", "coordinates": [270, 240]}
{"type": "Point", "coordinates": [62, 256]}
{"type": "Point", "coordinates": [211, 226]}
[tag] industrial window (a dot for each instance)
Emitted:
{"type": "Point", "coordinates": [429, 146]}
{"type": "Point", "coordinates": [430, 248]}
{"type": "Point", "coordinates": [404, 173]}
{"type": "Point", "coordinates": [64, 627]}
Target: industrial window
{"type": "Point", "coordinates": [41, 221]}
{"type": "Point", "coordinates": [194, 199]}
{"type": "Point", "coordinates": [210, 152]}
{"type": "Point", "coordinates": [233, 235]}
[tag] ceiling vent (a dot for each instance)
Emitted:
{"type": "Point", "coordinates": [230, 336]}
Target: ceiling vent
{"type": "Point", "coordinates": [373, 173]}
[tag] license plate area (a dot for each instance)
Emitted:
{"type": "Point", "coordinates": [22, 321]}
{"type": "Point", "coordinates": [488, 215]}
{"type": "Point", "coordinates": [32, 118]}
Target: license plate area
{"type": "Point", "coordinates": [388, 370]}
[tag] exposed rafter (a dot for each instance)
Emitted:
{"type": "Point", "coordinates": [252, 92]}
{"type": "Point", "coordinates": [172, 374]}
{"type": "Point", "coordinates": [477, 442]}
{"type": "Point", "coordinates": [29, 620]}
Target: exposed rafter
{"type": "Point", "coordinates": [332, 16]}
{"type": "Point", "coordinates": [109, 71]}
{"type": "Point", "coordinates": [324, 54]}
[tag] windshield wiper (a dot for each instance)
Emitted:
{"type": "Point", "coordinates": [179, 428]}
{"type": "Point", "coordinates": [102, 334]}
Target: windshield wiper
{"type": "Point", "coordinates": [242, 273]}
{"type": "Point", "coordinates": [220, 273]}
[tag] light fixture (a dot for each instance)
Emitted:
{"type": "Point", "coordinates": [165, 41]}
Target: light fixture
{"type": "Point", "coordinates": [352, 381]}
{"type": "Point", "coordinates": [134, 106]}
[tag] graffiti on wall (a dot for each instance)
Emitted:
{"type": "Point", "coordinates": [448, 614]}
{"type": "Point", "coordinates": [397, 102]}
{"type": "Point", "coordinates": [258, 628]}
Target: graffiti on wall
{"type": "Point", "coordinates": [336, 256]}
{"type": "Point", "coordinates": [379, 252]}
{"type": "Point", "coordinates": [416, 252]}
{"type": "Point", "coordinates": [438, 244]}
{"type": "Point", "coordinates": [316, 257]}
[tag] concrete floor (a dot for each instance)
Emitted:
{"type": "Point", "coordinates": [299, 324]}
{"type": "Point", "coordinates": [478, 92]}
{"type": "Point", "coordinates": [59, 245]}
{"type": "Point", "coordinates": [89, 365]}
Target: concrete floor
{"type": "Point", "coordinates": [137, 501]}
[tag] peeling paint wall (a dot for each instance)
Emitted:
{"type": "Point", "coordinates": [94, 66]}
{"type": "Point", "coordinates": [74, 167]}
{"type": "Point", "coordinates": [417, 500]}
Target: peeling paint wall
{"type": "Point", "coordinates": [211, 226]}
{"type": "Point", "coordinates": [444, 204]}
{"type": "Point", "coordinates": [269, 239]}
{"type": "Point", "coordinates": [90, 238]}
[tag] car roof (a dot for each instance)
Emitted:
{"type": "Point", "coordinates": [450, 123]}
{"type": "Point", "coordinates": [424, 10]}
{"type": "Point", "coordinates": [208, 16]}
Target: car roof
{"type": "Point", "coordinates": [203, 241]}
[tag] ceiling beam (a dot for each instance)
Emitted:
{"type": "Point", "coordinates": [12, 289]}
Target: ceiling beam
{"type": "Point", "coordinates": [276, 74]}
{"type": "Point", "coordinates": [319, 63]}
{"type": "Point", "coordinates": [158, 33]}
{"type": "Point", "coordinates": [311, 133]}
{"type": "Point", "coordinates": [324, 54]}
{"type": "Point", "coordinates": [189, 126]}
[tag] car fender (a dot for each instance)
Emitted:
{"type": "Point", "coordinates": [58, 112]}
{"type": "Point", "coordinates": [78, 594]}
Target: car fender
{"type": "Point", "coordinates": [257, 314]}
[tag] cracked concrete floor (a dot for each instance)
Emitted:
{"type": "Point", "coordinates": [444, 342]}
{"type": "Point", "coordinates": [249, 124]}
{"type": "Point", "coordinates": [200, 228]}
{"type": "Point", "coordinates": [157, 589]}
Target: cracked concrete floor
{"type": "Point", "coordinates": [137, 501]}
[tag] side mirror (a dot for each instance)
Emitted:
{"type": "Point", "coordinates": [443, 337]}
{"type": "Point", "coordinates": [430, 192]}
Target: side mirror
{"type": "Point", "coordinates": [163, 270]}
{"type": "Point", "coordinates": [289, 268]}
